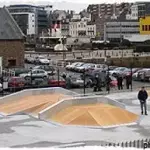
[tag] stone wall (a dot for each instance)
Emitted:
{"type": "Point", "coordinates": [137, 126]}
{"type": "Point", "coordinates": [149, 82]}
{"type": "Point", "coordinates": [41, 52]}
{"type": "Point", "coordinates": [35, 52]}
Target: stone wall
{"type": "Point", "coordinates": [12, 50]}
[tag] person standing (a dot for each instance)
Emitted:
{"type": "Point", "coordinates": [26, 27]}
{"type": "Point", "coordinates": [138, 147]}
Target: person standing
{"type": "Point", "coordinates": [97, 84]}
{"type": "Point", "coordinates": [142, 96]}
{"type": "Point", "coordinates": [119, 82]}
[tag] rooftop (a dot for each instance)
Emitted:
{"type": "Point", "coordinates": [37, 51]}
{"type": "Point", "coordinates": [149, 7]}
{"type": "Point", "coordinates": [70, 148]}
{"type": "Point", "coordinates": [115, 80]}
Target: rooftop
{"type": "Point", "coordinates": [9, 30]}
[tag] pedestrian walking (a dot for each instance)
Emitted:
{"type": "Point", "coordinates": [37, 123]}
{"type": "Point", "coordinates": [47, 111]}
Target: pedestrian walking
{"type": "Point", "coordinates": [119, 82]}
{"type": "Point", "coordinates": [128, 81]}
{"type": "Point", "coordinates": [142, 96]}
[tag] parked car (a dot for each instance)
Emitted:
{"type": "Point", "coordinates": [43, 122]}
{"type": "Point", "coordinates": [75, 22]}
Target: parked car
{"type": "Point", "coordinates": [86, 67]}
{"type": "Point", "coordinates": [74, 68]}
{"type": "Point", "coordinates": [49, 69]}
{"type": "Point", "coordinates": [76, 81]}
{"type": "Point", "coordinates": [91, 75]}
{"type": "Point", "coordinates": [118, 70]}
{"type": "Point", "coordinates": [144, 75]}
{"type": "Point", "coordinates": [55, 82]}
{"type": "Point", "coordinates": [35, 73]}
{"type": "Point", "coordinates": [41, 60]}
{"type": "Point", "coordinates": [16, 83]}
{"type": "Point", "coordinates": [19, 71]}
{"type": "Point", "coordinates": [29, 60]}
{"type": "Point", "coordinates": [128, 72]}
{"type": "Point", "coordinates": [69, 67]}
{"type": "Point", "coordinates": [137, 76]}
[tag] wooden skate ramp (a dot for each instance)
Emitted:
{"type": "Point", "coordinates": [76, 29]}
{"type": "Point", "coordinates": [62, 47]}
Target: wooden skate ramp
{"type": "Point", "coordinates": [31, 104]}
{"type": "Point", "coordinates": [94, 115]}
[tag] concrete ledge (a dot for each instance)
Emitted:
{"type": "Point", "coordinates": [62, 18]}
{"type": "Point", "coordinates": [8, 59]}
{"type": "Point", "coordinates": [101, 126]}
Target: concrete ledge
{"type": "Point", "coordinates": [29, 92]}
{"type": "Point", "coordinates": [64, 103]}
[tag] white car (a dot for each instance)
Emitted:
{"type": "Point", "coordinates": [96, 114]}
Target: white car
{"type": "Point", "coordinates": [118, 70]}
{"type": "Point", "coordinates": [85, 67]}
{"type": "Point", "coordinates": [36, 73]}
{"type": "Point", "coordinates": [42, 60]}
{"type": "Point", "coordinates": [69, 67]}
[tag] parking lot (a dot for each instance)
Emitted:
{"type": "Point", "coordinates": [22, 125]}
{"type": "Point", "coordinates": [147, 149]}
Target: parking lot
{"type": "Point", "coordinates": [135, 84]}
{"type": "Point", "coordinates": [41, 72]}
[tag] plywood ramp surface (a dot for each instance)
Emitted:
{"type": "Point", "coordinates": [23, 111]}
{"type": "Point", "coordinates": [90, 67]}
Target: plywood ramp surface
{"type": "Point", "coordinates": [94, 115]}
{"type": "Point", "coordinates": [34, 103]}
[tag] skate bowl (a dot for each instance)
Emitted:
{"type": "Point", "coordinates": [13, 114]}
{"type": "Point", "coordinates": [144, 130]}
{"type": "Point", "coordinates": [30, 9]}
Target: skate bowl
{"type": "Point", "coordinates": [32, 101]}
{"type": "Point", "coordinates": [94, 112]}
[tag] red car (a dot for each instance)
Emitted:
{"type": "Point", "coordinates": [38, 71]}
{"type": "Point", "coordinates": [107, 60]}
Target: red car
{"type": "Point", "coordinates": [53, 82]}
{"type": "Point", "coordinates": [16, 83]}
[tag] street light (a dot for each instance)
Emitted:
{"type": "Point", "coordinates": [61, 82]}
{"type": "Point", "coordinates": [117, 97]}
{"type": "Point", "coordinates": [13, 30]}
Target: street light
{"type": "Point", "coordinates": [107, 77]}
{"type": "Point", "coordinates": [131, 66]}
{"type": "Point", "coordinates": [84, 81]}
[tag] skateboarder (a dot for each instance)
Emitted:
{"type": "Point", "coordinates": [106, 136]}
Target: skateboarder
{"type": "Point", "coordinates": [142, 96]}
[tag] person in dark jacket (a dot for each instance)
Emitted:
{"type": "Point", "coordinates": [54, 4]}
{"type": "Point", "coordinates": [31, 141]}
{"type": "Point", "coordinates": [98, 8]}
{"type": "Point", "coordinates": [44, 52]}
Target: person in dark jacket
{"type": "Point", "coordinates": [97, 84]}
{"type": "Point", "coordinates": [128, 81]}
{"type": "Point", "coordinates": [142, 96]}
{"type": "Point", "coordinates": [119, 82]}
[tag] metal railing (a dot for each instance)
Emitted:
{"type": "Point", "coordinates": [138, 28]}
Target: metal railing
{"type": "Point", "coordinates": [143, 143]}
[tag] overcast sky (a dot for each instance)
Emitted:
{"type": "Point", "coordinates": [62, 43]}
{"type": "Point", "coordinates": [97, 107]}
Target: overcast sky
{"type": "Point", "coordinates": [62, 4]}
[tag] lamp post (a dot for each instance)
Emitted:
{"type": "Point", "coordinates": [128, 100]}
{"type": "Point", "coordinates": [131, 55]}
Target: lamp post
{"type": "Point", "coordinates": [131, 66]}
{"type": "Point", "coordinates": [63, 42]}
{"type": "Point", "coordinates": [84, 81]}
{"type": "Point", "coordinates": [31, 76]}
{"type": "Point", "coordinates": [107, 77]}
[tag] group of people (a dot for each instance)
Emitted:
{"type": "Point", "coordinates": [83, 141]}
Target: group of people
{"type": "Point", "coordinates": [98, 82]}
{"type": "Point", "coordinates": [120, 80]}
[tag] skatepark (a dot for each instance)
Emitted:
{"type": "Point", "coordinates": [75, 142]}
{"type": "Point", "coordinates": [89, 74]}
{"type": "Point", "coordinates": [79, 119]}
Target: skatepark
{"type": "Point", "coordinates": [35, 118]}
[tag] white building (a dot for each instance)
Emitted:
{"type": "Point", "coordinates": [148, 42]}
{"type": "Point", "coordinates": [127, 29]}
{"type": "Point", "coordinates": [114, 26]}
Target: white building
{"type": "Point", "coordinates": [30, 18]}
{"type": "Point", "coordinates": [76, 17]}
{"type": "Point", "coordinates": [134, 13]}
{"type": "Point", "coordinates": [82, 29]}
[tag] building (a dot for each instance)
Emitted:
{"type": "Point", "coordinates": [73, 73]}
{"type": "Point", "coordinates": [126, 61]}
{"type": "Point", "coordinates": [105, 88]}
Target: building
{"type": "Point", "coordinates": [82, 29]}
{"type": "Point", "coordinates": [116, 29]}
{"type": "Point", "coordinates": [11, 41]}
{"type": "Point", "coordinates": [65, 28]}
{"type": "Point", "coordinates": [143, 9]}
{"type": "Point", "coordinates": [102, 12]}
{"type": "Point", "coordinates": [133, 13]}
{"type": "Point", "coordinates": [145, 25]}
{"type": "Point", "coordinates": [31, 19]}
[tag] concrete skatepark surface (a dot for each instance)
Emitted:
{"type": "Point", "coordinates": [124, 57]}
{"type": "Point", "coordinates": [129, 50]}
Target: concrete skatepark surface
{"type": "Point", "coordinates": [94, 115]}
{"type": "Point", "coordinates": [27, 131]}
{"type": "Point", "coordinates": [30, 104]}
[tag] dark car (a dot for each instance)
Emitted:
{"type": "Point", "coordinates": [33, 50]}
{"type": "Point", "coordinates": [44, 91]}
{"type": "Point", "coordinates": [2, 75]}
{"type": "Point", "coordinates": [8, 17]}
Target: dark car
{"type": "Point", "coordinates": [49, 69]}
{"type": "Point", "coordinates": [16, 83]}
{"type": "Point", "coordinates": [19, 71]}
{"type": "Point", "coordinates": [100, 72]}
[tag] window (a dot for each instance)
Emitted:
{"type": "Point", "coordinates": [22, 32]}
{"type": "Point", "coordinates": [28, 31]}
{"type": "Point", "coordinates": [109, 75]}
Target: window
{"type": "Point", "coordinates": [143, 29]}
{"type": "Point", "coordinates": [34, 72]}
{"type": "Point", "coordinates": [149, 27]}
{"type": "Point", "coordinates": [41, 71]}
{"type": "Point", "coordinates": [32, 25]}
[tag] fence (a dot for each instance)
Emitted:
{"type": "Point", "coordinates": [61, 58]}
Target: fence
{"type": "Point", "coordinates": [132, 144]}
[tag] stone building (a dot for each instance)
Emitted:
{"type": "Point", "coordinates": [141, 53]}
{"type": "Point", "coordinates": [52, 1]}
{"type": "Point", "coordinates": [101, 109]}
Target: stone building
{"type": "Point", "coordinates": [11, 41]}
